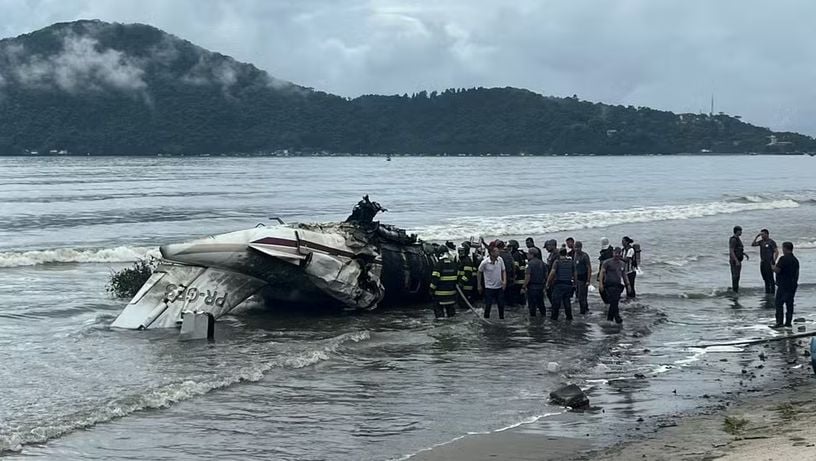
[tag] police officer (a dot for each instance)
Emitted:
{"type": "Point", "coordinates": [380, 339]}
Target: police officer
{"type": "Point", "coordinates": [443, 283]}
{"type": "Point", "coordinates": [562, 282]}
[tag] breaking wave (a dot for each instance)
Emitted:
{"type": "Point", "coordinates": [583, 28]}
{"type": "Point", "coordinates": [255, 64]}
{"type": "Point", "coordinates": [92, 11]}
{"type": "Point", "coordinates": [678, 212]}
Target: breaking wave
{"type": "Point", "coordinates": [165, 396]}
{"type": "Point", "coordinates": [557, 222]}
{"type": "Point", "coordinates": [72, 255]}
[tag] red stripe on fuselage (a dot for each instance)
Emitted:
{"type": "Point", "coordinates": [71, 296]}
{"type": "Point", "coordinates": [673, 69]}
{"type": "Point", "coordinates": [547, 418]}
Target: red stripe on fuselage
{"type": "Point", "coordinates": [311, 245]}
{"type": "Point", "coordinates": [276, 241]}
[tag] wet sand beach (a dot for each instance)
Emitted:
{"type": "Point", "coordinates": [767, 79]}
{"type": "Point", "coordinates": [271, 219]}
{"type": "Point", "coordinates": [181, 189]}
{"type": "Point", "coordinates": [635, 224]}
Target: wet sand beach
{"type": "Point", "coordinates": [772, 421]}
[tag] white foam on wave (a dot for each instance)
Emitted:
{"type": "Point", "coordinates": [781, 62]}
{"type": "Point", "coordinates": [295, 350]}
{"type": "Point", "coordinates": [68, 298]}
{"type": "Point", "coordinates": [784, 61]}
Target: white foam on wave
{"type": "Point", "coordinates": [170, 394]}
{"type": "Point", "coordinates": [530, 420]}
{"type": "Point", "coordinates": [73, 255]}
{"type": "Point", "coordinates": [536, 224]}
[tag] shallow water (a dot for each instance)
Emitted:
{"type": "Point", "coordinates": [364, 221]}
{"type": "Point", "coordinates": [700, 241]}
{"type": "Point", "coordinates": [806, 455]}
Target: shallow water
{"type": "Point", "coordinates": [386, 384]}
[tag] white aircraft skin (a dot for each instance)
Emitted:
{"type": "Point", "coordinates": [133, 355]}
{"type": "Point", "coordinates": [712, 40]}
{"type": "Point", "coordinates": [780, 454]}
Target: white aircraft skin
{"type": "Point", "coordinates": [288, 263]}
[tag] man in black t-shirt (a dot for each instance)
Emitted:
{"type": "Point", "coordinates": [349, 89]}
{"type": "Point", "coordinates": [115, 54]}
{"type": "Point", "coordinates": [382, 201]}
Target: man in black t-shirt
{"type": "Point", "coordinates": [535, 277]}
{"type": "Point", "coordinates": [768, 252]}
{"type": "Point", "coordinates": [583, 270]}
{"type": "Point", "coordinates": [787, 280]}
{"type": "Point", "coordinates": [737, 253]}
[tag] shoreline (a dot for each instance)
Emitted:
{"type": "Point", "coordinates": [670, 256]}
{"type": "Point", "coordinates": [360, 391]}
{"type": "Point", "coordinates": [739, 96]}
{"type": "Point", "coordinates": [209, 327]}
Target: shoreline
{"type": "Point", "coordinates": [776, 424]}
{"type": "Point", "coordinates": [416, 155]}
{"type": "Point", "coordinates": [774, 420]}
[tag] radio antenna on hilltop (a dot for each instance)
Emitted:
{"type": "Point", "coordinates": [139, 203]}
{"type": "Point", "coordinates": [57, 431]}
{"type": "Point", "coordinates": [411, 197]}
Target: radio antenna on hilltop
{"type": "Point", "coordinates": [711, 114]}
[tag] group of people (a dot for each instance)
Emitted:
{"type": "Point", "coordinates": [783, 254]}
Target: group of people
{"type": "Point", "coordinates": [784, 268]}
{"type": "Point", "coordinates": [508, 275]}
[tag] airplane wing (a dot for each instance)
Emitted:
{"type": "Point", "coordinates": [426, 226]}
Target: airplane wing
{"type": "Point", "coordinates": [174, 288]}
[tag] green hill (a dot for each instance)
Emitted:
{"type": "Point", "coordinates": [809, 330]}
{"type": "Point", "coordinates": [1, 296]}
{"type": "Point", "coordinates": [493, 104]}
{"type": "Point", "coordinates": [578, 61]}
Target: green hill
{"type": "Point", "coordinates": [100, 88]}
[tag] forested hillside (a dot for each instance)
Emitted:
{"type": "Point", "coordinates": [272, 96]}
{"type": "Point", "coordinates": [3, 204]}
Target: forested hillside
{"type": "Point", "coordinates": [100, 88]}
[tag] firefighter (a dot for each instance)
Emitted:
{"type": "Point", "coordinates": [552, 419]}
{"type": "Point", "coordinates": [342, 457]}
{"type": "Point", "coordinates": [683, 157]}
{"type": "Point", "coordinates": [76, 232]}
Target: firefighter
{"type": "Point", "coordinates": [467, 271]}
{"type": "Point", "coordinates": [443, 283]}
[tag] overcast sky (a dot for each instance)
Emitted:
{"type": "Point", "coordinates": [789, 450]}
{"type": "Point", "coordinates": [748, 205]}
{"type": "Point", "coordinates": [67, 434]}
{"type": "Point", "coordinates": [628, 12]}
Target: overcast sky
{"type": "Point", "coordinates": [758, 58]}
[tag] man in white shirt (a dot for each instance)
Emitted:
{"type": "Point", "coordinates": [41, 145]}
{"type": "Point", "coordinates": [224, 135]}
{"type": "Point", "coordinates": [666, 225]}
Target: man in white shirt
{"type": "Point", "coordinates": [492, 282]}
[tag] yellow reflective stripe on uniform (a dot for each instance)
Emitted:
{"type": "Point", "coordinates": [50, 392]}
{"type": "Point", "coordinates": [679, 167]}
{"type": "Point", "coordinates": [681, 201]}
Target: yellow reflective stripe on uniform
{"type": "Point", "coordinates": [435, 274]}
{"type": "Point", "coordinates": [446, 303]}
{"type": "Point", "coordinates": [444, 293]}
{"type": "Point", "coordinates": [468, 268]}
{"type": "Point", "coordinates": [433, 286]}
{"type": "Point", "coordinates": [448, 278]}
{"type": "Point", "coordinates": [519, 282]}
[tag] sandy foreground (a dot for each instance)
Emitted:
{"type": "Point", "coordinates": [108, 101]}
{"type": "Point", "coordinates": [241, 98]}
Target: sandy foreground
{"type": "Point", "coordinates": [770, 427]}
{"type": "Point", "coordinates": [776, 425]}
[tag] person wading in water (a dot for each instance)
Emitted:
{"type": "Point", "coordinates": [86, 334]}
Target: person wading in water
{"type": "Point", "coordinates": [613, 280]}
{"type": "Point", "coordinates": [492, 282]}
{"type": "Point", "coordinates": [737, 254]}
{"type": "Point", "coordinates": [768, 252]}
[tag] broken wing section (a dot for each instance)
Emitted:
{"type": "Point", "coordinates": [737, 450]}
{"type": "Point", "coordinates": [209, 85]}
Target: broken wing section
{"type": "Point", "coordinates": [174, 288]}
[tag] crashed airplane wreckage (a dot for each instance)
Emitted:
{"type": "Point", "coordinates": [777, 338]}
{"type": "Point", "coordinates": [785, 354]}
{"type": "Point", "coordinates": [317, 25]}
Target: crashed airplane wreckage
{"type": "Point", "coordinates": [356, 264]}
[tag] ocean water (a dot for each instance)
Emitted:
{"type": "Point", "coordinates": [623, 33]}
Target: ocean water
{"type": "Point", "coordinates": [386, 384]}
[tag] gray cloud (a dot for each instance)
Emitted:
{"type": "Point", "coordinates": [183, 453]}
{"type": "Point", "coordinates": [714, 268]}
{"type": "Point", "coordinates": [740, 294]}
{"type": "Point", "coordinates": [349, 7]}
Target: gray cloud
{"type": "Point", "coordinates": [756, 57]}
{"type": "Point", "coordinates": [79, 66]}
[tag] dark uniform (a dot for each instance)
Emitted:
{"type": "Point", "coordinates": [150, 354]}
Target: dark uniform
{"type": "Point", "coordinates": [787, 279]}
{"type": "Point", "coordinates": [564, 269]}
{"type": "Point", "coordinates": [467, 275]}
{"type": "Point", "coordinates": [735, 244]}
{"type": "Point", "coordinates": [520, 268]}
{"type": "Point", "coordinates": [510, 273]}
{"type": "Point", "coordinates": [443, 287]}
{"type": "Point", "coordinates": [581, 279]}
{"type": "Point", "coordinates": [535, 289]}
{"type": "Point", "coordinates": [766, 257]}
{"type": "Point", "coordinates": [552, 257]}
